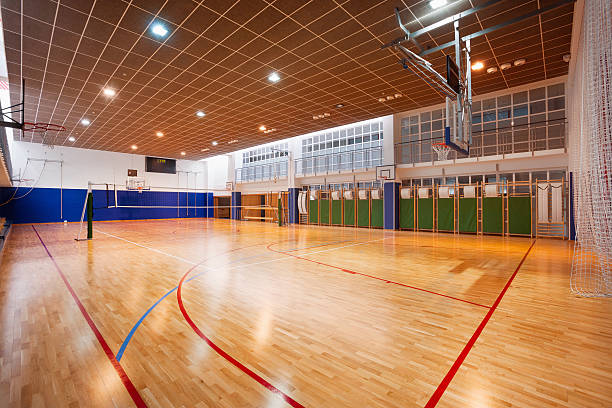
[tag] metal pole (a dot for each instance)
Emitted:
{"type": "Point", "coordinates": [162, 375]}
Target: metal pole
{"type": "Point", "coordinates": [468, 74]}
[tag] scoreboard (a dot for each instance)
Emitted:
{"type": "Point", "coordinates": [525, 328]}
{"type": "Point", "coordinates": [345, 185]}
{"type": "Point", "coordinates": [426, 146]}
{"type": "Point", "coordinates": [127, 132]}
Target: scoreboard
{"type": "Point", "coordinates": [160, 165]}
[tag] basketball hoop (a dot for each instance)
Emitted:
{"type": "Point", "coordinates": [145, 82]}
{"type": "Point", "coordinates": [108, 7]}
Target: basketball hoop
{"type": "Point", "coordinates": [442, 150]}
{"type": "Point", "coordinates": [42, 127]}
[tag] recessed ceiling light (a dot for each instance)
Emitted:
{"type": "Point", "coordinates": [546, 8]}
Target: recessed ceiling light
{"type": "Point", "coordinates": [477, 66]}
{"type": "Point", "coordinates": [134, 147]}
{"type": "Point", "coordinates": [85, 122]}
{"type": "Point", "coordinates": [159, 134]}
{"type": "Point", "coordinates": [340, 105]}
{"type": "Point", "coordinates": [71, 139]}
{"type": "Point", "coordinates": [183, 153]}
{"type": "Point", "coordinates": [200, 114]}
{"type": "Point", "coordinates": [390, 97]}
{"type": "Point", "coordinates": [315, 117]}
{"type": "Point", "coordinates": [491, 70]}
{"type": "Point", "coordinates": [434, 4]}
{"type": "Point", "coordinates": [382, 99]}
{"type": "Point", "coordinates": [519, 62]}
{"type": "Point", "coordinates": [232, 141]}
{"type": "Point", "coordinates": [505, 66]}
{"type": "Point", "coordinates": [262, 128]}
{"type": "Point", "coordinates": [327, 115]}
{"type": "Point", "coordinates": [566, 58]}
{"type": "Point", "coordinates": [108, 92]}
{"type": "Point", "coordinates": [159, 30]}
{"type": "Point", "coordinates": [205, 149]}
{"type": "Point", "coordinates": [273, 77]}
{"type": "Point", "coordinates": [215, 143]}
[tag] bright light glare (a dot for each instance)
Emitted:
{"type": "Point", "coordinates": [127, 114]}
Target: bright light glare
{"type": "Point", "coordinates": [159, 29]}
{"type": "Point", "coordinates": [215, 143]}
{"type": "Point", "coordinates": [71, 139]}
{"type": "Point", "coordinates": [159, 134]}
{"type": "Point", "coordinates": [434, 4]}
{"type": "Point", "coordinates": [134, 147]}
{"type": "Point", "coordinates": [183, 153]}
{"type": "Point", "coordinates": [85, 122]}
{"type": "Point", "coordinates": [273, 77]}
{"type": "Point", "coordinates": [477, 65]}
{"type": "Point", "coordinates": [262, 128]}
{"type": "Point", "coordinates": [109, 92]}
{"type": "Point", "coordinates": [200, 114]}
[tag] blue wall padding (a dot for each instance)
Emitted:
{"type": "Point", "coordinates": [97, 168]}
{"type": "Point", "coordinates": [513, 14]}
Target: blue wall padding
{"type": "Point", "coordinates": [43, 205]}
{"type": "Point", "coordinates": [391, 206]}
{"type": "Point", "coordinates": [294, 216]}
{"type": "Point", "coordinates": [236, 203]}
{"type": "Point", "coordinates": [210, 202]}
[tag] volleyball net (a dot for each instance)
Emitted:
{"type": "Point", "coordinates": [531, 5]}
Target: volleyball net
{"type": "Point", "coordinates": [108, 201]}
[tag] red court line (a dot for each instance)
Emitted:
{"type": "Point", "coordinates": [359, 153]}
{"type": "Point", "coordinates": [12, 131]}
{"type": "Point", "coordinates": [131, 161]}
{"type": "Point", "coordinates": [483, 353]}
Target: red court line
{"type": "Point", "coordinates": [377, 278]}
{"type": "Point", "coordinates": [225, 355]}
{"type": "Point", "coordinates": [127, 383]}
{"type": "Point", "coordinates": [433, 401]}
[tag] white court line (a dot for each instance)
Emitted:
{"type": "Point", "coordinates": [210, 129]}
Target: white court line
{"type": "Point", "coordinates": [237, 266]}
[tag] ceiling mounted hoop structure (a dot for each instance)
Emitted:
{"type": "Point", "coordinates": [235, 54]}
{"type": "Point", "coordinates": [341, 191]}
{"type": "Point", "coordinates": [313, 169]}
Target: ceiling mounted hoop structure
{"type": "Point", "coordinates": [42, 127]}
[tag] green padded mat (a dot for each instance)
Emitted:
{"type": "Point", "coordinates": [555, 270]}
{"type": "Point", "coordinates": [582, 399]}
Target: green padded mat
{"type": "Point", "coordinates": [363, 213]}
{"type": "Point", "coordinates": [324, 211]}
{"type": "Point", "coordinates": [519, 215]}
{"type": "Point", "coordinates": [492, 216]}
{"type": "Point", "coordinates": [378, 213]}
{"type": "Point", "coordinates": [467, 214]}
{"type": "Point", "coordinates": [336, 212]}
{"type": "Point", "coordinates": [349, 212]}
{"type": "Point", "coordinates": [406, 213]}
{"type": "Point", "coordinates": [446, 214]}
{"type": "Point", "coordinates": [313, 212]}
{"type": "Point", "coordinates": [425, 213]}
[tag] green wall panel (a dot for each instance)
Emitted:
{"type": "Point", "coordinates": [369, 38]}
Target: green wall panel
{"type": "Point", "coordinates": [336, 213]}
{"type": "Point", "coordinates": [425, 213]}
{"type": "Point", "coordinates": [467, 214]}
{"type": "Point", "coordinates": [492, 216]}
{"type": "Point", "coordinates": [519, 215]}
{"type": "Point", "coordinates": [324, 211]}
{"type": "Point", "coordinates": [313, 211]}
{"type": "Point", "coordinates": [406, 213]}
{"type": "Point", "coordinates": [446, 214]}
{"type": "Point", "coordinates": [363, 213]}
{"type": "Point", "coordinates": [378, 213]}
{"type": "Point", "coordinates": [349, 212]}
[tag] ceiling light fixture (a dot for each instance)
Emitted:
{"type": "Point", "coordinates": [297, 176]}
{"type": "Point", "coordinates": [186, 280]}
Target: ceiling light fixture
{"type": "Point", "coordinates": [566, 58]}
{"type": "Point", "coordinates": [85, 122]}
{"type": "Point", "coordinates": [434, 4]}
{"type": "Point", "coordinates": [200, 114]}
{"type": "Point", "coordinates": [491, 70]}
{"type": "Point", "coordinates": [134, 147]}
{"type": "Point", "coordinates": [390, 97]}
{"type": "Point", "coordinates": [505, 66]}
{"type": "Point", "coordinates": [382, 100]}
{"type": "Point", "coordinates": [339, 105]}
{"type": "Point", "coordinates": [232, 141]}
{"type": "Point", "coordinates": [159, 30]}
{"type": "Point", "coordinates": [183, 153]}
{"type": "Point", "coordinates": [214, 143]}
{"type": "Point", "coordinates": [159, 134]}
{"type": "Point", "coordinates": [205, 149]}
{"type": "Point", "coordinates": [519, 62]}
{"type": "Point", "coordinates": [262, 128]}
{"type": "Point", "coordinates": [71, 139]}
{"type": "Point", "coordinates": [108, 92]}
{"type": "Point", "coordinates": [398, 95]}
{"type": "Point", "coordinates": [273, 77]}
{"type": "Point", "coordinates": [327, 115]}
{"type": "Point", "coordinates": [477, 66]}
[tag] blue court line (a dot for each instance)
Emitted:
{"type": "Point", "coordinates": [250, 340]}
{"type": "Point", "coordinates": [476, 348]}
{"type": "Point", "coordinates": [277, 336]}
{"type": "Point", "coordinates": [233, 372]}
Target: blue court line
{"type": "Point", "coordinates": [139, 322]}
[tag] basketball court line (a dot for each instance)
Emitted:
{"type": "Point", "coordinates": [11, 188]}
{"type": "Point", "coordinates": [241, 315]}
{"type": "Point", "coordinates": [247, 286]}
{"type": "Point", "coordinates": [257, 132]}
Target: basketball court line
{"type": "Point", "coordinates": [433, 400]}
{"type": "Point", "coordinates": [125, 380]}
{"type": "Point", "coordinates": [377, 278]}
{"type": "Point", "coordinates": [132, 331]}
{"type": "Point", "coordinates": [225, 355]}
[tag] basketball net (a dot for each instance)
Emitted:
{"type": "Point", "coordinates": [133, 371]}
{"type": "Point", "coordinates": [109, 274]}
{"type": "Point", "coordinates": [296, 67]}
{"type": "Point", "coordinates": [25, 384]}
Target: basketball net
{"type": "Point", "coordinates": [442, 150]}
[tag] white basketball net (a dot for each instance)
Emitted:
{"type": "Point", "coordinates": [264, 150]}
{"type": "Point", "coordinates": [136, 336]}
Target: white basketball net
{"type": "Point", "coordinates": [442, 150]}
{"type": "Point", "coordinates": [591, 136]}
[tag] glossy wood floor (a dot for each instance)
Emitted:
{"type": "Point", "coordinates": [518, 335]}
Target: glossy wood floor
{"type": "Point", "coordinates": [295, 316]}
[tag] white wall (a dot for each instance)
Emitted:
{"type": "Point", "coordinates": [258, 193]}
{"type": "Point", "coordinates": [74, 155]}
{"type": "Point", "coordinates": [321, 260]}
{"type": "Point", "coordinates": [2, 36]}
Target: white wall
{"type": "Point", "coordinates": [218, 173]}
{"type": "Point", "coordinates": [83, 165]}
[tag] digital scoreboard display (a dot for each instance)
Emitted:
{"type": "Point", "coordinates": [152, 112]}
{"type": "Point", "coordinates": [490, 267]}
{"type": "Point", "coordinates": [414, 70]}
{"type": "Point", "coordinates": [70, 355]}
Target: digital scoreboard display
{"type": "Point", "coordinates": [160, 165]}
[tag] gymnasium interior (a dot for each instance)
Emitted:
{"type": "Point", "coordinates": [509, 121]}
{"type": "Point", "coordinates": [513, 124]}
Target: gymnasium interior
{"type": "Point", "coordinates": [306, 203]}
